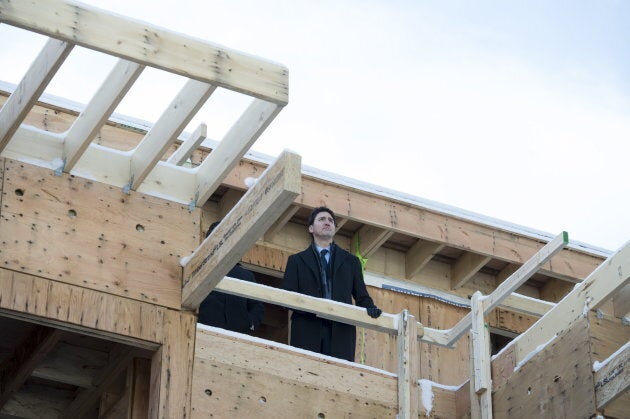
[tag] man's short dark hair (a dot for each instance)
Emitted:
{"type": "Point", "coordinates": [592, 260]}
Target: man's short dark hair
{"type": "Point", "coordinates": [311, 218]}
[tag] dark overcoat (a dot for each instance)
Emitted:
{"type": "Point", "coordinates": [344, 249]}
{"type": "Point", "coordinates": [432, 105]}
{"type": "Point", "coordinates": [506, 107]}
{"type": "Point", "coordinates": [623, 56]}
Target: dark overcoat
{"type": "Point", "coordinates": [229, 311]}
{"type": "Point", "coordinates": [302, 275]}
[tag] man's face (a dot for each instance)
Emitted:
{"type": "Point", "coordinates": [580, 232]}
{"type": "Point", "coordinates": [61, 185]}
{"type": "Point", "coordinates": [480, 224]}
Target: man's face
{"type": "Point", "coordinates": [323, 226]}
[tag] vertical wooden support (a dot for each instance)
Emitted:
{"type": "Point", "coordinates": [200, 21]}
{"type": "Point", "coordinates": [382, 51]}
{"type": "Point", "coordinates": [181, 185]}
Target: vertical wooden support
{"type": "Point", "coordinates": [408, 393]}
{"type": "Point", "coordinates": [480, 379]}
{"type": "Point", "coordinates": [171, 367]}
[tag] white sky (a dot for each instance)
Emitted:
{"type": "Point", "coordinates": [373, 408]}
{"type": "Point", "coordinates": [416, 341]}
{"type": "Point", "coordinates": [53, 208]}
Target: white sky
{"type": "Point", "coordinates": [515, 110]}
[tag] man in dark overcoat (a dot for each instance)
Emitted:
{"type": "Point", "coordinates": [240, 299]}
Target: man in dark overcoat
{"type": "Point", "coordinates": [325, 270]}
{"type": "Point", "coordinates": [230, 312]}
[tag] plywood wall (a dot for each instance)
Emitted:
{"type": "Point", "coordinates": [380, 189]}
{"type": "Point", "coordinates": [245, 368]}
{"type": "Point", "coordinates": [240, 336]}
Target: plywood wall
{"type": "Point", "coordinates": [85, 233]}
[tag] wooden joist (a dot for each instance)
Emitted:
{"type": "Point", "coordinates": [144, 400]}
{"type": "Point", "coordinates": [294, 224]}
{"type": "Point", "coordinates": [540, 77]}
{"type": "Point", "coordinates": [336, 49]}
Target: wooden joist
{"type": "Point", "coordinates": [187, 147]}
{"type": "Point", "coordinates": [613, 378]}
{"type": "Point", "coordinates": [241, 228]}
{"type": "Point", "coordinates": [31, 86]}
{"type": "Point", "coordinates": [98, 110]}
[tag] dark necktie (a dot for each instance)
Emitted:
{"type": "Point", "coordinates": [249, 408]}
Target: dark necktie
{"type": "Point", "coordinates": [326, 268]}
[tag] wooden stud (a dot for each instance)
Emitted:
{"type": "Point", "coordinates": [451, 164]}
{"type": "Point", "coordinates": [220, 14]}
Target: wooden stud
{"type": "Point", "coordinates": [281, 222]}
{"type": "Point", "coordinates": [241, 228]}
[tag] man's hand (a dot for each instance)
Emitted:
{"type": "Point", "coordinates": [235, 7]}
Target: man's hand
{"type": "Point", "coordinates": [374, 312]}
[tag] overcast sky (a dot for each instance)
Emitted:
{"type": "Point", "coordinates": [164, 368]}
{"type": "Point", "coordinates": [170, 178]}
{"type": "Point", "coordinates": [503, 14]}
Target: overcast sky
{"type": "Point", "coordinates": [519, 111]}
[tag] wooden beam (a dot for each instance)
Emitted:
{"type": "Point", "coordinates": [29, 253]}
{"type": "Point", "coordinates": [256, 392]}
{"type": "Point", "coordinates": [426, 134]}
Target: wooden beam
{"type": "Point", "coordinates": [481, 388]}
{"type": "Point", "coordinates": [505, 273]}
{"type": "Point", "coordinates": [612, 379]}
{"type": "Point", "coordinates": [419, 255]}
{"type": "Point", "coordinates": [28, 354]}
{"type": "Point", "coordinates": [369, 239]}
{"type": "Point", "coordinates": [186, 148]}
{"type": "Point", "coordinates": [31, 86]}
{"type": "Point", "coordinates": [602, 284]}
{"type": "Point", "coordinates": [408, 355]}
{"type": "Point", "coordinates": [466, 266]}
{"type": "Point", "coordinates": [236, 142]}
{"type": "Point", "coordinates": [71, 364]}
{"type": "Point", "coordinates": [100, 108]}
{"type": "Point", "coordinates": [241, 228]}
{"type": "Point", "coordinates": [74, 308]}
{"type": "Point", "coordinates": [281, 222]}
{"type": "Point", "coordinates": [228, 201]}
{"type": "Point", "coordinates": [164, 132]}
{"type": "Point", "coordinates": [328, 309]}
{"type": "Point", "coordinates": [508, 286]}
{"type": "Point", "coordinates": [150, 45]}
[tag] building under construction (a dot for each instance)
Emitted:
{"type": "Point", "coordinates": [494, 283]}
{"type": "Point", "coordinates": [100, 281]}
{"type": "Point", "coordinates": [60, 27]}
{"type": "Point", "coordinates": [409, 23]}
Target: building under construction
{"type": "Point", "coordinates": [103, 263]}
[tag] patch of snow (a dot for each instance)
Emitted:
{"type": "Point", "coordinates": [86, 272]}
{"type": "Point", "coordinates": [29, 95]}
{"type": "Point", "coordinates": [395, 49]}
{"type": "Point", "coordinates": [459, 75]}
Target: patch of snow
{"type": "Point", "coordinates": [426, 394]}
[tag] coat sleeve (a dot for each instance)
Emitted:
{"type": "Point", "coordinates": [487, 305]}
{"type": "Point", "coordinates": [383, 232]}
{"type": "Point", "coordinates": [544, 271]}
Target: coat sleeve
{"type": "Point", "coordinates": [359, 290]}
{"type": "Point", "coordinates": [290, 279]}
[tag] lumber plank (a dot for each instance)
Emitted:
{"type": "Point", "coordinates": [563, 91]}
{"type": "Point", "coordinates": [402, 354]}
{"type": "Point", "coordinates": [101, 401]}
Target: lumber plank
{"type": "Point", "coordinates": [31, 86]}
{"type": "Point", "coordinates": [481, 388]}
{"type": "Point", "coordinates": [369, 239]}
{"type": "Point", "coordinates": [166, 129]}
{"type": "Point", "coordinates": [241, 228]}
{"type": "Point", "coordinates": [150, 45]}
{"type": "Point", "coordinates": [98, 110]}
{"type": "Point", "coordinates": [333, 310]}
{"type": "Point", "coordinates": [602, 284]}
{"type": "Point", "coordinates": [236, 142]}
{"type": "Point", "coordinates": [613, 378]}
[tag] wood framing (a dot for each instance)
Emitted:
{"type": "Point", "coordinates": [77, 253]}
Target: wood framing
{"type": "Point", "coordinates": [247, 222]}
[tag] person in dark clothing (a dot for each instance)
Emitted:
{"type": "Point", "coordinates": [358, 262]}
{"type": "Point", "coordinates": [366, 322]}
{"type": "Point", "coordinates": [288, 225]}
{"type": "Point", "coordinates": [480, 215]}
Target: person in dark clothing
{"type": "Point", "coordinates": [325, 270]}
{"type": "Point", "coordinates": [229, 311]}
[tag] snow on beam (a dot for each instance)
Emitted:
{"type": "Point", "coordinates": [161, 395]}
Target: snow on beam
{"type": "Point", "coordinates": [259, 208]}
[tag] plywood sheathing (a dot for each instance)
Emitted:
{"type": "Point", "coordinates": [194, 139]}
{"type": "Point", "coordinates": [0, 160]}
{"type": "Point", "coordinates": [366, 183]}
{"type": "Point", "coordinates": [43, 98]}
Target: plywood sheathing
{"type": "Point", "coordinates": [89, 234]}
{"type": "Point", "coordinates": [555, 382]}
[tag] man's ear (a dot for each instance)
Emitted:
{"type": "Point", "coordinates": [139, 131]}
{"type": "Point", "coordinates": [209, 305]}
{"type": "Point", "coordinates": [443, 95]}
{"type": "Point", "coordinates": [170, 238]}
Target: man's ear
{"type": "Point", "coordinates": [310, 229]}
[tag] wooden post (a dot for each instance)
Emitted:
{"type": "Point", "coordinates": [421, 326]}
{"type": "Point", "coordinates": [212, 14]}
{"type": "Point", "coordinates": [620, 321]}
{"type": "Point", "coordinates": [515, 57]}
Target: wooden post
{"type": "Point", "coordinates": [408, 393]}
{"type": "Point", "coordinates": [480, 381]}
{"type": "Point", "coordinates": [171, 367]}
